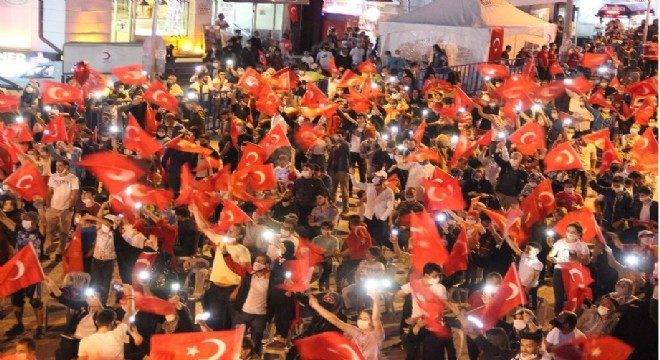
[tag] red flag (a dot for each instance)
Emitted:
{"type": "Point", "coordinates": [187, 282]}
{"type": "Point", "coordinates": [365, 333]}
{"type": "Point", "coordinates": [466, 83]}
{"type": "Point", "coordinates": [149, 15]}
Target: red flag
{"type": "Point", "coordinates": [576, 278]}
{"type": "Point", "coordinates": [485, 139]}
{"type": "Point", "coordinates": [610, 154]}
{"type": "Point", "coordinates": [115, 171]}
{"type": "Point", "coordinates": [205, 203]}
{"type": "Point", "coordinates": [464, 148]}
{"type": "Point", "coordinates": [562, 157]}
{"type": "Point", "coordinates": [27, 182]}
{"type": "Point", "coordinates": [367, 67]}
{"type": "Point", "coordinates": [150, 123]}
{"type": "Point", "coordinates": [262, 177]}
{"type": "Point", "coordinates": [615, 83]}
{"type": "Point", "coordinates": [138, 140]}
{"type": "Point", "coordinates": [584, 217]}
{"type": "Point", "coordinates": [645, 147]}
{"type": "Point", "coordinates": [144, 262]}
{"type": "Point", "coordinates": [529, 138]}
{"type": "Point", "coordinates": [442, 192]}
{"type": "Point", "coordinates": [314, 97]}
{"type": "Point", "coordinates": [8, 141]}
{"type": "Point", "coordinates": [328, 345]}
{"type": "Point", "coordinates": [143, 194]}
{"type": "Point", "coordinates": [72, 259]}
{"type": "Point", "coordinates": [217, 345]}
{"type": "Point", "coordinates": [593, 60]}
{"type": "Point", "coordinates": [508, 295]}
{"type": "Point", "coordinates": [351, 79]}
{"type": "Point", "coordinates": [185, 192]}
{"type": "Point", "coordinates": [238, 185]}
{"type": "Point", "coordinates": [598, 98]}
{"type": "Point", "coordinates": [230, 215]}
{"type": "Point", "coordinates": [268, 102]}
{"type": "Point", "coordinates": [643, 88]}
{"type": "Point", "coordinates": [493, 70]}
{"type": "Point", "coordinates": [262, 59]}
{"type": "Point", "coordinates": [181, 144]}
{"type": "Point", "coordinates": [293, 13]}
{"type": "Point", "coordinates": [579, 84]}
{"type": "Point", "coordinates": [549, 91]}
{"type": "Point", "coordinates": [540, 201]}
{"type": "Point", "coordinates": [72, 133]}
{"type": "Point", "coordinates": [598, 138]}
{"type": "Point", "coordinates": [496, 44]}
{"type": "Point", "coordinates": [22, 131]}
{"type": "Point", "coordinates": [21, 271]}
{"type": "Point", "coordinates": [419, 132]}
{"type": "Point", "coordinates": [530, 69]}
{"type": "Point", "coordinates": [299, 275]}
{"type": "Point", "coordinates": [154, 305]}
{"type": "Point", "coordinates": [54, 131]}
{"type": "Point", "coordinates": [308, 134]}
{"type": "Point", "coordinates": [251, 82]}
{"type": "Point", "coordinates": [431, 305]}
{"type": "Point", "coordinates": [434, 84]}
{"type": "Point", "coordinates": [458, 258]}
{"type": "Point", "coordinates": [423, 154]}
{"type": "Point", "coordinates": [275, 139]}
{"type": "Point", "coordinates": [603, 347]}
{"type": "Point", "coordinates": [426, 242]}
{"type": "Point", "coordinates": [286, 79]}
{"type": "Point", "coordinates": [646, 111]}
{"type": "Point", "coordinates": [158, 94]}
{"type": "Point", "coordinates": [131, 74]}
{"type": "Point", "coordinates": [308, 250]}
{"type": "Point", "coordinates": [95, 82]}
{"type": "Point", "coordinates": [555, 69]}
{"type": "Point", "coordinates": [332, 67]}
{"type": "Point", "coordinates": [58, 93]}
{"type": "Point", "coordinates": [9, 103]}
{"type": "Point", "coordinates": [515, 88]}
{"type": "Point", "coordinates": [252, 155]}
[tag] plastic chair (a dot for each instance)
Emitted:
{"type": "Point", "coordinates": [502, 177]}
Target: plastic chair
{"type": "Point", "coordinates": [201, 279]}
{"type": "Point", "coordinates": [76, 279]}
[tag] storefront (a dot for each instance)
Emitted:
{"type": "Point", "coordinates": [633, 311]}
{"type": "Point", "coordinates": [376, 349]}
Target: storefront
{"type": "Point", "coordinates": [362, 13]}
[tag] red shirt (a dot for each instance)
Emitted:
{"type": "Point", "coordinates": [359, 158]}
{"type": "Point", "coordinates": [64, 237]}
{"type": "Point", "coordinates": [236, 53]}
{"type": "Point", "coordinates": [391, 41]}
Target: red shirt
{"type": "Point", "coordinates": [542, 58]}
{"type": "Point", "coordinates": [569, 201]}
{"type": "Point", "coordinates": [358, 242]}
{"type": "Point", "coordinates": [651, 51]}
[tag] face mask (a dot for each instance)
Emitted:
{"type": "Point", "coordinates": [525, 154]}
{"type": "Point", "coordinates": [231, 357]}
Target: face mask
{"type": "Point", "coordinates": [433, 281]}
{"type": "Point", "coordinates": [88, 201]}
{"type": "Point", "coordinates": [161, 133]}
{"type": "Point", "coordinates": [325, 232]}
{"type": "Point", "coordinates": [257, 266]}
{"type": "Point", "coordinates": [571, 237]}
{"type": "Point", "coordinates": [306, 174]}
{"type": "Point", "coordinates": [568, 190]}
{"type": "Point", "coordinates": [602, 310]}
{"type": "Point", "coordinates": [105, 228]}
{"type": "Point", "coordinates": [644, 198]}
{"type": "Point", "coordinates": [26, 224]}
{"type": "Point", "coordinates": [514, 163]}
{"type": "Point", "coordinates": [519, 324]}
{"type": "Point", "coordinates": [376, 181]}
{"type": "Point", "coordinates": [363, 324]}
{"type": "Point", "coordinates": [634, 131]}
{"type": "Point", "coordinates": [618, 189]}
{"type": "Point", "coordinates": [410, 198]}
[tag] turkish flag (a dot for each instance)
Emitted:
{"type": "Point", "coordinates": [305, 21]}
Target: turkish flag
{"type": "Point", "coordinates": [508, 295]}
{"type": "Point", "coordinates": [55, 131]}
{"type": "Point", "coordinates": [205, 203]}
{"type": "Point", "coordinates": [150, 123]}
{"type": "Point", "coordinates": [328, 345]}
{"type": "Point", "coordinates": [262, 177]}
{"type": "Point", "coordinates": [275, 139]}
{"type": "Point", "coordinates": [392, 182]}
{"type": "Point", "coordinates": [27, 182]}
{"type": "Point", "coordinates": [144, 194]}
{"type": "Point", "coordinates": [579, 84]}
{"type": "Point", "coordinates": [217, 345]}
{"type": "Point", "coordinates": [615, 83]}
{"type": "Point", "coordinates": [493, 70]}
{"type": "Point", "coordinates": [21, 271]}
{"type": "Point", "coordinates": [458, 257]}
{"type": "Point", "coordinates": [598, 138]}
{"type": "Point", "coordinates": [645, 147]}
{"type": "Point", "coordinates": [209, 162]}
{"type": "Point", "coordinates": [485, 139]}
{"type": "Point", "coordinates": [310, 251]}
{"type": "Point", "coordinates": [358, 102]}
{"type": "Point", "coordinates": [9, 103]}
{"type": "Point", "coordinates": [115, 171]}
{"type": "Point", "coordinates": [610, 154]}
{"type": "Point", "coordinates": [576, 278]}
{"type": "Point", "coordinates": [442, 192]}
{"type": "Point", "coordinates": [643, 88]}
{"type": "Point", "coordinates": [222, 178]}
{"type": "Point", "coordinates": [464, 148]}
{"type": "Point", "coordinates": [593, 60]}
{"type": "Point", "coordinates": [181, 144]}
{"type": "Point", "coordinates": [515, 88]}
{"type": "Point", "coordinates": [602, 347]}
{"type": "Point", "coordinates": [268, 102]}
{"type": "Point", "coordinates": [293, 13]}
{"type": "Point", "coordinates": [131, 74]}
{"type": "Point", "coordinates": [238, 184]}
{"type": "Point", "coordinates": [299, 275]}
{"type": "Point", "coordinates": [351, 79]}
{"type": "Point", "coordinates": [58, 93]}
{"type": "Point", "coordinates": [529, 138]}
{"type": "Point", "coordinates": [549, 91]}
{"type": "Point", "coordinates": [646, 111]}
{"type": "Point", "coordinates": [367, 67]}
{"type": "Point", "coordinates": [95, 82]}
{"type": "Point", "coordinates": [72, 259]}
{"type": "Point", "coordinates": [431, 85]}
{"type": "Point", "coordinates": [584, 217]}
{"type": "Point", "coordinates": [598, 98]}
{"type": "Point", "coordinates": [153, 305]}
{"type": "Point", "coordinates": [252, 155]}
{"type": "Point", "coordinates": [230, 215]}
{"type": "Point", "coordinates": [419, 132]}
{"type": "Point", "coordinates": [8, 141]}
{"type": "Point", "coordinates": [144, 262]}
{"type": "Point", "coordinates": [251, 82]}
{"type": "Point", "coordinates": [423, 154]}
{"type": "Point", "coordinates": [332, 67]}
{"type": "Point", "coordinates": [496, 44]}
{"type": "Point", "coordinates": [540, 201]}
{"type": "Point", "coordinates": [314, 97]}
{"type": "Point", "coordinates": [187, 181]}
{"type": "Point", "coordinates": [22, 131]}
{"type": "Point", "coordinates": [432, 306]}
{"type": "Point", "coordinates": [308, 134]}
{"type": "Point", "coordinates": [138, 140]}
{"type": "Point", "coordinates": [562, 157]}
{"type": "Point", "coordinates": [426, 243]}
{"type": "Point", "coordinates": [291, 81]}
{"type": "Point", "coordinates": [158, 94]}
{"type": "Point", "coordinates": [555, 69]}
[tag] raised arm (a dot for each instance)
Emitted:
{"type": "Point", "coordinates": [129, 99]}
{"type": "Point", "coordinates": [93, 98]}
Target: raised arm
{"type": "Point", "coordinates": [332, 318]}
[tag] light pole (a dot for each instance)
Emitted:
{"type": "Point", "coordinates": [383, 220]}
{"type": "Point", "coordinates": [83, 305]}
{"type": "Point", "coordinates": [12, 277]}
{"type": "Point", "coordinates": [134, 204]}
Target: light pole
{"type": "Point", "coordinates": [646, 23]}
{"type": "Point", "coordinates": [154, 31]}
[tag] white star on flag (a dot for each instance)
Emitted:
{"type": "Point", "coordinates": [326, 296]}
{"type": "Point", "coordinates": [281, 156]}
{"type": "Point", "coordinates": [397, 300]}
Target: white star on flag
{"type": "Point", "coordinates": [596, 352]}
{"type": "Point", "coordinates": [193, 351]}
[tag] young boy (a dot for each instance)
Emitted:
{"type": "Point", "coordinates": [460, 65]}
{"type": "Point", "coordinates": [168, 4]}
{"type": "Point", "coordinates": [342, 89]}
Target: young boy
{"type": "Point", "coordinates": [529, 269]}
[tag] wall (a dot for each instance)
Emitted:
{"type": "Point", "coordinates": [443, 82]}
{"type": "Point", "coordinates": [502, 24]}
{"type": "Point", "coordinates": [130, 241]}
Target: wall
{"type": "Point", "coordinates": [88, 20]}
{"type": "Point", "coordinates": [20, 24]}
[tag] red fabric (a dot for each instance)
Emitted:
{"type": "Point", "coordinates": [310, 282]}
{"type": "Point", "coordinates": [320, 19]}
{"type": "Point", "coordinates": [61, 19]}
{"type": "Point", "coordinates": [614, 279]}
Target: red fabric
{"type": "Point", "coordinates": [144, 262]}
{"type": "Point", "coordinates": [307, 134]}
{"type": "Point", "coordinates": [423, 154]}
{"type": "Point", "coordinates": [598, 98]}
{"type": "Point", "coordinates": [27, 182]}
{"type": "Point", "coordinates": [131, 74]}
{"type": "Point", "coordinates": [144, 194]}
{"type": "Point", "coordinates": [650, 51]}
{"type": "Point", "coordinates": [529, 138]}
{"type": "Point", "coordinates": [138, 140]}
{"type": "Point", "coordinates": [350, 79]}
{"type": "Point", "coordinates": [549, 91]}
{"type": "Point", "coordinates": [217, 345]}
{"type": "Point", "coordinates": [309, 251]}
{"type": "Point", "coordinates": [153, 305]}
{"type": "Point", "coordinates": [419, 132]}
{"type": "Point", "coordinates": [598, 138]}
{"type": "Point", "coordinates": [555, 69]}
{"type": "Point", "coordinates": [458, 258]}
{"type": "Point", "coordinates": [150, 123]}
{"type": "Point", "coordinates": [508, 295]}
{"type": "Point", "coordinates": [314, 97]}
{"type": "Point", "coordinates": [426, 242]}
{"type": "Point", "coordinates": [55, 131]}
{"type": "Point", "coordinates": [115, 171]}
{"type": "Point", "coordinates": [645, 147]}
{"type": "Point", "coordinates": [181, 144]}
{"type": "Point", "coordinates": [9, 103]}
{"type": "Point", "coordinates": [57, 93]}
{"type": "Point", "coordinates": [584, 217]}
{"type": "Point", "coordinates": [72, 132]}
{"type": "Point", "coordinates": [332, 67]}
{"type": "Point", "coordinates": [493, 70]}
{"type": "Point", "coordinates": [543, 59]}
{"type": "Point", "coordinates": [442, 192]}
{"type": "Point", "coordinates": [72, 259]}
{"type": "Point", "coordinates": [515, 88]}
{"type": "Point", "coordinates": [275, 139]}
{"type": "Point", "coordinates": [496, 44]}
{"type": "Point", "coordinates": [562, 157]}
{"type": "Point", "coordinates": [569, 201]}
{"type": "Point", "coordinates": [301, 275]}
{"type": "Point", "coordinates": [485, 139]}
{"type": "Point", "coordinates": [287, 79]}
{"type": "Point", "coordinates": [23, 132]}
{"type": "Point", "coordinates": [432, 306]}
{"type": "Point", "coordinates": [358, 242]}
{"type": "Point", "coordinates": [593, 60]}
{"type": "Point", "coordinates": [434, 84]}
{"type": "Point", "coordinates": [576, 278]}
{"type": "Point", "coordinates": [293, 12]}
{"type": "Point", "coordinates": [159, 95]}
{"type": "Point", "coordinates": [262, 177]}
{"type": "Point", "coordinates": [231, 214]}
{"type": "Point", "coordinates": [252, 155]}
{"type": "Point", "coordinates": [268, 102]}
{"type": "Point", "coordinates": [251, 82]}
{"type": "Point", "coordinates": [21, 271]}
{"type": "Point", "coordinates": [579, 84]}
{"type": "Point", "coordinates": [538, 204]}
{"type": "Point", "coordinates": [464, 148]}
{"type": "Point", "coordinates": [328, 345]}
{"type": "Point", "coordinates": [594, 348]}
{"type": "Point", "coordinates": [367, 67]}
{"type": "Point", "coordinates": [610, 154]}
{"type": "Point", "coordinates": [646, 111]}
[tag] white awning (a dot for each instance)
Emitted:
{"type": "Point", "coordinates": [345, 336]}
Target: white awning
{"type": "Point", "coordinates": [534, 2]}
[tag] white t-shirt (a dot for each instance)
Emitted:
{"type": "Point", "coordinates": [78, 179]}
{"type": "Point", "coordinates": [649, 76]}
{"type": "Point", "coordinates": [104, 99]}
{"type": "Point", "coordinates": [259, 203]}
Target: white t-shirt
{"type": "Point", "coordinates": [438, 289]}
{"type": "Point", "coordinates": [357, 54]}
{"type": "Point", "coordinates": [255, 303]}
{"type": "Point", "coordinates": [527, 270]}
{"type": "Point", "coordinates": [557, 338]}
{"type": "Point", "coordinates": [62, 186]}
{"type": "Point", "coordinates": [563, 248]}
{"type": "Point", "coordinates": [106, 346]}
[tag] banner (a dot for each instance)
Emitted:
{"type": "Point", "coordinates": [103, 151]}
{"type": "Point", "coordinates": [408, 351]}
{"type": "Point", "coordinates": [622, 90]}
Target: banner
{"type": "Point", "coordinates": [496, 44]}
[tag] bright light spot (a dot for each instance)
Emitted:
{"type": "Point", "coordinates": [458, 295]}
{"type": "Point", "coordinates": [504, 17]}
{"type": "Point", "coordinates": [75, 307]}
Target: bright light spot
{"type": "Point", "coordinates": [401, 148]}
{"type": "Point", "coordinates": [568, 81]}
{"type": "Point", "coordinates": [47, 108]}
{"type": "Point", "coordinates": [287, 274]}
{"type": "Point", "coordinates": [19, 119]}
{"type": "Point", "coordinates": [268, 235]}
{"type": "Point", "coordinates": [230, 62]}
{"type": "Point", "coordinates": [567, 121]}
{"type": "Point", "coordinates": [425, 112]}
{"type": "Point", "coordinates": [489, 289]}
{"type": "Point", "coordinates": [395, 232]}
{"type": "Point", "coordinates": [461, 110]}
{"type": "Point", "coordinates": [225, 239]}
{"type": "Point", "coordinates": [131, 319]}
{"type": "Point", "coordinates": [501, 135]}
{"type": "Point", "coordinates": [454, 139]}
{"type": "Point", "coordinates": [110, 84]}
{"type": "Point", "coordinates": [372, 14]}
{"type": "Point", "coordinates": [537, 107]}
{"type": "Point", "coordinates": [144, 275]}
{"type": "Point", "coordinates": [602, 69]}
{"type": "Point", "coordinates": [632, 260]}
{"type": "Point", "coordinates": [89, 292]}
{"type": "Point", "coordinates": [98, 95]}
{"type": "Point", "coordinates": [406, 88]}
{"type": "Point", "coordinates": [478, 323]}
{"type": "Point", "coordinates": [487, 78]}
{"type": "Point", "coordinates": [385, 137]}
{"type": "Point", "coordinates": [385, 283]}
{"type": "Point", "coordinates": [186, 47]}
{"type": "Point", "coordinates": [138, 205]}
{"type": "Point", "coordinates": [374, 86]}
{"type": "Point", "coordinates": [192, 95]}
{"type": "Point", "coordinates": [371, 284]}
{"type": "Point", "coordinates": [114, 129]}
{"type": "Point", "coordinates": [549, 232]}
{"type": "Point", "coordinates": [394, 129]}
{"type": "Point", "coordinates": [46, 132]}
{"type": "Point", "coordinates": [410, 132]}
{"type": "Point", "coordinates": [203, 316]}
{"type": "Point", "coordinates": [175, 286]}
{"type": "Point", "coordinates": [441, 217]}
{"type": "Point", "coordinates": [198, 68]}
{"type": "Point", "coordinates": [392, 79]}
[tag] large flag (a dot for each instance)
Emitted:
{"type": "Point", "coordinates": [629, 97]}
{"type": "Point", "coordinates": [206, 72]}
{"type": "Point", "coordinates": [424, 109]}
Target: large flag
{"type": "Point", "coordinates": [21, 271]}
{"type": "Point", "coordinates": [216, 345]}
{"type": "Point", "coordinates": [55, 131]}
{"type": "Point", "coordinates": [432, 306]}
{"type": "Point", "coordinates": [115, 171]}
{"type": "Point", "coordinates": [268, 102]}
{"type": "Point", "coordinates": [538, 204]}
{"type": "Point", "coordinates": [367, 67]}
{"type": "Point", "coordinates": [562, 157]}
{"type": "Point", "coordinates": [27, 182]}
{"type": "Point", "coordinates": [529, 138]}
{"type": "Point", "coordinates": [426, 242]}
{"type": "Point", "coordinates": [610, 154]}
{"type": "Point", "coordinates": [580, 84]}
{"type": "Point", "coordinates": [231, 214]}
{"type": "Point", "coordinates": [458, 258]}
{"type": "Point", "coordinates": [181, 144]}
{"type": "Point", "coordinates": [9, 103]}
{"type": "Point", "coordinates": [158, 94]}
{"type": "Point", "coordinates": [593, 60]}
{"type": "Point", "coordinates": [251, 82]}
{"type": "Point", "coordinates": [603, 347]}
{"type": "Point", "coordinates": [262, 177]}
{"type": "Point", "coordinates": [585, 218]}
{"type": "Point", "coordinates": [496, 44]}
{"type": "Point", "coordinates": [308, 134]}
{"type": "Point", "coordinates": [576, 278]}
{"type": "Point", "coordinates": [154, 305]}
{"type": "Point", "coordinates": [423, 154]}
{"type": "Point", "coordinates": [493, 70]}
{"type": "Point", "coordinates": [252, 155]}
{"type": "Point", "coordinates": [328, 345]}
{"type": "Point", "coordinates": [72, 259]}
{"type": "Point", "coordinates": [138, 140]}
{"type": "Point", "coordinates": [275, 139]}
{"type": "Point", "coordinates": [508, 295]}
{"type": "Point", "coordinates": [57, 93]}
{"type": "Point", "coordinates": [599, 138]}
{"type": "Point", "coordinates": [131, 74]}
{"type": "Point", "coordinates": [442, 192]}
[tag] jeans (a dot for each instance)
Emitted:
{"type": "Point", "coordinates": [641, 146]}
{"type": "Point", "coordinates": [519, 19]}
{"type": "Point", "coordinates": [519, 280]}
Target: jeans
{"type": "Point", "coordinates": [558, 286]}
{"type": "Point", "coordinates": [581, 175]}
{"type": "Point", "coordinates": [324, 280]}
{"type": "Point", "coordinates": [216, 302]}
{"type": "Point", "coordinates": [257, 325]}
{"type": "Point", "coordinates": [102, 277]}
{"type": "Point", "coordinates": [340, 179]}
{"type": "Point", "coordinates": [58, 225]}
{"type": "Point", "coordinates": [380, 231]}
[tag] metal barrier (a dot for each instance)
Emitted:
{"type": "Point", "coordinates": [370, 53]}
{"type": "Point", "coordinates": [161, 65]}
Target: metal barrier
{"type": "Point", "coordinates": [469, 76]}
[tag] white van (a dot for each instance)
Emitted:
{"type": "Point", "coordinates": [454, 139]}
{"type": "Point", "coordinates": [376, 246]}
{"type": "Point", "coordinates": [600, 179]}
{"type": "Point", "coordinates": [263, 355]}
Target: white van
{"type": "Point", "coordinates": [44, 71]}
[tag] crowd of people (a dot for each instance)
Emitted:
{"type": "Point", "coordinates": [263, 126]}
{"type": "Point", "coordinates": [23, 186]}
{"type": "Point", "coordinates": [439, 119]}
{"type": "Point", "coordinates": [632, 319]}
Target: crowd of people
{"type": "Point", "coordinates": [334, 187]}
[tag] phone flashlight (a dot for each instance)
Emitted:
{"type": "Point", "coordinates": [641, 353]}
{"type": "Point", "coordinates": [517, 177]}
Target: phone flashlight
{"type": "Point", "coordinates": [478, 323]}
{"type": "Point", "coordinates": [287, 274]}
{"type": "Point", "coordinates": [114, 129]}
{"type": "Point", "coordinates": [550, 232]}
{"type": "Point", "coordinates": [144, 275]}
{"type": "Point", "coordinates": [203, 316]}
{"type": "Point", "coordinates": [89, 292]}
{"type": "Point", "coordinates": [175, 286]}
{"type": "Point", "coordinates": [441, 217]}
{"type": "Point", "coordinates": [395, 232]}
{"type": "Point", "coordinates": [268, 235]}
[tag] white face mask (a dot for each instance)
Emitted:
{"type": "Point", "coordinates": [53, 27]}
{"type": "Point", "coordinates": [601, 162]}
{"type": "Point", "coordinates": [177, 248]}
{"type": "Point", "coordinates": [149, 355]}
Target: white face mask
{"type": "Point", "coordinates": [432, 281]}
{"type": "Point", "coordinates": [26, 224]}
{"type": "Point", "coordinates": [257, 266]}
{"type": "Point", "coordinates": [363, 324]}
{"type": "Point", "coordinates": [88, 201]}
{"type": "Point", "coordinates": [514, 163]}
{"type": "Point", "coordinates": [568, 190]}
{"type": "Point", "coordinates": [376, 181]}
{"type": "Point", "coordinates": [602, 310]}
{"type": "Point", "coordinates": [519, 324]}
{"type": "Point", "coordinates": [571, 237]}
{"type": "Point", "coordinates": [634, 131]}
{"type": "Point", "coordinates": [105, 228]}
{"type": "Point", "coordinates": [306, 174]}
